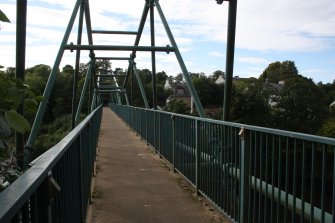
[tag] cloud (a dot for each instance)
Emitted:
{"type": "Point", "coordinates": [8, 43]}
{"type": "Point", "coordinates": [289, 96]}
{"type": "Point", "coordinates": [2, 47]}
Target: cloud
{"type": "Point", "coordinates": [262, 25]}
{"type": "Point", "coordinates": [295, 26]}
{"type": "Point", "coordinates": [216, 54]}
{"type": "Point", "coordinates": [252, 60]}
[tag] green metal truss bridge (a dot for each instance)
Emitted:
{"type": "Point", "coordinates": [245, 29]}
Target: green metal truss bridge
{"type": "Point", "coordinates": [251, 174]}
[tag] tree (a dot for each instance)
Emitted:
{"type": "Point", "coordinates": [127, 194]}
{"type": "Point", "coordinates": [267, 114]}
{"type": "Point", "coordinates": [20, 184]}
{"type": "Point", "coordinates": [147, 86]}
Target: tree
{"type": "Point", "coordinates": [12, 93]}
{"type": "Point", "coordinates": [279, 71]}
{"type": "Point", "coordinates": [301, 107]}
{"type": "Point", "coordinates": [177, 106]}
{"type": "Point", "coordinates": [179, 77]}
{"type": "Point", "coordinates": [328, 128]}
{"type": "Point", "coordinates": [3, 17]}
{"type": "Point", "coordinates": [329, 90]}
{"type": "Point", "coordinates": [209, 93]}
{"type": "Point", "coordinates": [250, 104]}
{"type": "Point", "coordinates": [103, 65]}
{"type": "Point", "coordinates": [216, 74]}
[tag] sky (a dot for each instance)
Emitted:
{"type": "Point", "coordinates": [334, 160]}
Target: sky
{"type": "Point", "coordinates": [267, 31]}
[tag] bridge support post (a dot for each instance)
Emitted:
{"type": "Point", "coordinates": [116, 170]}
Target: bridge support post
{"type": "Point", "coordinates": [173, 143]}
{"type": "Point", "coordinates": [21, 18]}
{"type": "Point", "coordinates": [153, 54]}
{"type": "Point", "coordinates": [229, 58]}
{"type": "Point", "coordinates": [197, 157]}
{"type": "Point", "coordinates": [244, 177]}
{"type": "Point", "coordinates": [140, 85]}
{"type": "Point", "coordinates": [76, 70]}
{"type": "Point", "coordinates": [85, 87]}
{"type": "Point", "coordinates": [146, 126]}
{"type": "Point", "coordinates": [159, 135]}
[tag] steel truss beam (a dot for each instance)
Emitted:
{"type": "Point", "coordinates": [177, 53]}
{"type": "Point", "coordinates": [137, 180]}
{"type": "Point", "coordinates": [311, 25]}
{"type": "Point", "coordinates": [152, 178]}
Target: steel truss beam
{"type": "Point", "coordinates": [166, 49]}
{"type": "Point", "coordinates": [113, 32]}
{"type": "Point", "coordinates": [91, 79]}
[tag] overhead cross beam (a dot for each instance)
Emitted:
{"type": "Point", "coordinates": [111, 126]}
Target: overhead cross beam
{"type": "Point", "coordinates": [221, 1]}
{"type": "Point", "coordinates": [166, 49]}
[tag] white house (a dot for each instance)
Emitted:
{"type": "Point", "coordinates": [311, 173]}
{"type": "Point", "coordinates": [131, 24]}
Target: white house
{"type": "Point", "coordinates": [220, 80]}
{"type": "Point", "coordinates": [167, 84]}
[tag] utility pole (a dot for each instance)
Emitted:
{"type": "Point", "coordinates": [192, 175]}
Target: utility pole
{"type": "Point", "coordinates": [231, 31]}
{"type": "Point", "coordinates": [153, 54]}
{"type": "Point", "coordinates": [21, 21]}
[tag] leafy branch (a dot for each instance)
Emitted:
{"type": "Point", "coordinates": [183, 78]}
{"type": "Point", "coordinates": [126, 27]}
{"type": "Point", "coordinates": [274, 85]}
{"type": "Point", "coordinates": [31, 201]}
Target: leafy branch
{"type": "Point", "coordinates": [3, 17]}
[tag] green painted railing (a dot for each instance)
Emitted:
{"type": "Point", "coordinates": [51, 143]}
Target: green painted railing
{"type": "Point", "coordinates": [252, 174]}
{"type": "Point", "coordinates": [56, 187]}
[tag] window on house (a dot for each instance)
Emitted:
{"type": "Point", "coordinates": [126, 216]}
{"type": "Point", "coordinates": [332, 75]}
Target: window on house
{"type": "Point", "coordinates": [180, 91]}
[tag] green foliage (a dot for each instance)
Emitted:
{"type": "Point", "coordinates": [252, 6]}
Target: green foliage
{"type": "Point", "coordinates": [279, 71]}
{"type": "Point", "coordinates": [301, 107]}
{"type": "Point", "coordinates": [250, 103]}
{"type": "Point", "coordinates": [328, 128]}
{"type": "Point", "coordinates": [146, 79]}
{"type": "Point", "coordinates": [17, 122]}
{"type": "Point", "coordinates": [3, 17]}
{"type": "Point", "coordinates": [52, 133]}
{"type": "Point", "coordinates": [209, 93]}
{"type": "Point", "coordinates": [329, 90]}
{"type": "Point", "coordinates": [12, 94]}
{"type": "Point", "coordinates": [177, 106]}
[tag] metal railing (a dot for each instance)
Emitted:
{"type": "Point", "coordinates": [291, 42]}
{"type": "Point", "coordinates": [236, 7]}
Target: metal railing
{"type": "Point", "coordinates": [56, 188]}
{"type": "Point", "coordinates": [252, 174]}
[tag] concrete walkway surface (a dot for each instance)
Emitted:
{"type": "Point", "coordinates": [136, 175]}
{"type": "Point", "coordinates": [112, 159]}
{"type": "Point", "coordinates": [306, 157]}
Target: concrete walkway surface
{"type": "Point", "coordinates": [133, 185]}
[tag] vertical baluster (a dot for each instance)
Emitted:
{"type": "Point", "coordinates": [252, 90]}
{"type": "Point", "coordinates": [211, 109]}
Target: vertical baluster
{"type": "Point", "coordinates": [324, 178]}
{"type": "Point", "coordinates": [272, 176]}
{"type": "Point", "coordinates": [236, 162]}
{"type": "Point", "coordinates": [279, 176]}
{"type": "Point", "coordinates": [231, 172]}
{"type": "Point", "coordinates": [312, 182]}
{"type": "Point", "coordinates": [251, 159]}
{"type": "Point", "coordinates": [255, 177]}
{"type": "Point", "coordinates": [294, 180]}
{"type": "Point", "coordinates": [303, 181]}
{"type": "Point", "coordinates": [266, 177]}
{"type": "Point", "coordinates": [260, 177]}
{"type": "Point", "coordinates": [333, 198]}
{"type": "Point", "coordinates": [244, 176]}
{"type": "Point", "coordinates": [286, 181]}
{"type": "Point", "coordinates": [225, 168]}
{"type": "Point", "coordinates": [26, 212]}
{"type": "Point", "coordinates": [197, 156]}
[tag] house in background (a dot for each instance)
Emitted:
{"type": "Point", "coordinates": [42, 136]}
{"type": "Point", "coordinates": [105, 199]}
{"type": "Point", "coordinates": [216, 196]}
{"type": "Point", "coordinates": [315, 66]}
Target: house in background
{"type": "Point", "coordinates": [179, 92]}
{"type": "Point", "coordinates": [220, 80]}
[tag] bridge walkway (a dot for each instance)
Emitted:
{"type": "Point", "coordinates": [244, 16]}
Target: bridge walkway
{"type": "Point", "coordinates": [133, 185]}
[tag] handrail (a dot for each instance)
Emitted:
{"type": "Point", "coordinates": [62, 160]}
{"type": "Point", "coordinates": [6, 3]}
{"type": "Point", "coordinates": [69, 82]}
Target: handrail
{"type": "Point", "coordinates": [28, 186]}
{"type": "Point", "coordinates": [303, 136]}
{"type": "Point", "coordinates": [249, 172]}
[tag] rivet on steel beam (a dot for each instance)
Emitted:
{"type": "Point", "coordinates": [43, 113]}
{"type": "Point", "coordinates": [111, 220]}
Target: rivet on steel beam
{"type": "Point", "coordinates": [71, 47]}
{"type": "Point", "coordinates": [168, 49]}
